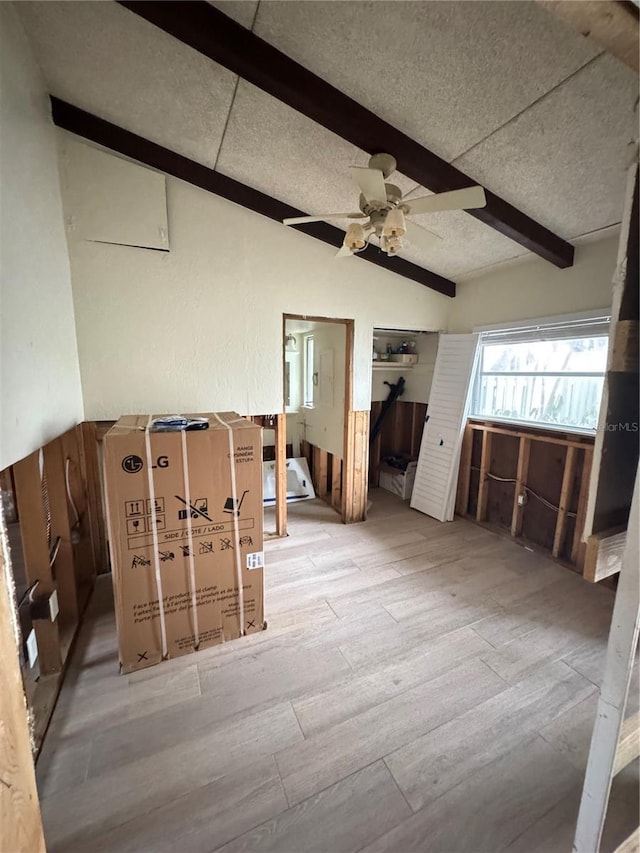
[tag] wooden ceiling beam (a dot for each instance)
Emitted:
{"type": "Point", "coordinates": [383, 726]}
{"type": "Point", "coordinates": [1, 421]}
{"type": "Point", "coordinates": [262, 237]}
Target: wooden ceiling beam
{"type": "Point", "coordinates": [612, 24]}
{"type": "Point", "coordinates": [138, 148]}
{"type": "Point", "coordinates": [215, 35]}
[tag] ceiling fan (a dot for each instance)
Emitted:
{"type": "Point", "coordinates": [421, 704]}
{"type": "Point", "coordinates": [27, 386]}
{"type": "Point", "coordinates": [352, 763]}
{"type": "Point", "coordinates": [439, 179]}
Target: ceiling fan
{"type": "Point", "coordinates": [385, 211]}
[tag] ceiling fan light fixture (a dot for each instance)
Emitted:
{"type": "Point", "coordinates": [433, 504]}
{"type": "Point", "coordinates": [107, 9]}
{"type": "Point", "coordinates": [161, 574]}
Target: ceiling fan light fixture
{"type": "Point", "coordinates": [354, 238]}
{"type": "Point", "coordinates": [394, 224]}
{"type": "Point", "coordinates": [391, 245]}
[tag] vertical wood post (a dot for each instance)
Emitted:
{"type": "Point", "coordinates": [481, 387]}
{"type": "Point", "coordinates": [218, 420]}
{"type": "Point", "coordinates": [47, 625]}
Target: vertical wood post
{"type": "Point", "coordinates": [281, 474]}
{"type": "Point", "coordinates": [354, 469]}
{"type": "Point", "coordinates": [322, 473]}
{"type": "Point", "coordinates": [33, 531]}
{"type": "Point", "coordinates": [464, 477]}
{"type": "Point", "coordinates": [577, 550]}
{"type": "Point", "coordinates": [483, 488]}
{"type": "Point", "coordinates": [63, 567]}
{"type": "Point", "coordinates": [565, 496]}
{"type": "Point", "coordinates": [336, 483]}
{"type": "Point", "coordinates": [524, 450]}
{"type": "Point", "coordinates": [93, 487]}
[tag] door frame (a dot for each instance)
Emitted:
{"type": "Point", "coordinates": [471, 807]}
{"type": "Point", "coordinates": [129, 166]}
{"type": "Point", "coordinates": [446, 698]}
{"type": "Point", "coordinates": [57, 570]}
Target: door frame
{"type": "Point", "coordinates": [355, 443]}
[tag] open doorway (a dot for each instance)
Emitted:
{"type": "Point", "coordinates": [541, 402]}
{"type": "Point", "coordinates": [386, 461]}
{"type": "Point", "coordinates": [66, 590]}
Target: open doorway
{"type": "Point", "coordinates": [317, 359]}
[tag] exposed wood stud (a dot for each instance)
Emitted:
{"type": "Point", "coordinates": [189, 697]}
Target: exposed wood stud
{"type": "Point", "coordinates": [336, 482]}
{"type": "Point", "coordinates": [577, 547]}
{"type": "Point", "coordinates": [464, 479]}
{"type": "Point", "coordinates": [354, 485]}
{"type": "Point", "coordinates": [63, 568]}
{"type": "Point", "coordinates": [534, 436]}
{"type": "Point", "coordinates": [83, 550]}
{"type": "Point", "coordinates": [483, 490]}
{"type": "Point", "coordinates": [281, 474]}
{"type": "Point", "coordinates": [115, 138]}
{"type": "Point", "coordinates": [33, 531]}
{"type": "Point", "coordinates": [323, 473]}
{"type": "Point", "coordinates": [91, 476]}
{"type": "Point", "coordinates": [226, 42]}
{"type": "Point", "coordinates": [625, 353]}
{"type": "Point", "coordinates": [524, 450]}
{"type": "Point", "coordinates": [565, 496]}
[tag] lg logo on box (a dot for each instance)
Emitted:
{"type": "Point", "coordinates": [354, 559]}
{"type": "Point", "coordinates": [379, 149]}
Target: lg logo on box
{"type": "Point", "coordinates": [133, 464]}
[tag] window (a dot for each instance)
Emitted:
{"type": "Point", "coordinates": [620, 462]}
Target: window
{"type": "Point", "coordinates": [548, 375]}
{"type": "Point", "coordinates": [309, 375]}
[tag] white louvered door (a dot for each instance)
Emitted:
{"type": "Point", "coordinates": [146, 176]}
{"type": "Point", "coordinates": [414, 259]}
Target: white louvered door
{"type": "Point", "coordinates": [436, 478]}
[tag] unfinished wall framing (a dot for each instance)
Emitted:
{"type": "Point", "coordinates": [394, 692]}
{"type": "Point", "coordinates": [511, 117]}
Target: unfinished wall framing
{"type": "Point", "coordinates": [57, 545]}
{"type": "Point", "coordinates": [617, 443]}
{"type": "Point", "coordinates": [532, 483]}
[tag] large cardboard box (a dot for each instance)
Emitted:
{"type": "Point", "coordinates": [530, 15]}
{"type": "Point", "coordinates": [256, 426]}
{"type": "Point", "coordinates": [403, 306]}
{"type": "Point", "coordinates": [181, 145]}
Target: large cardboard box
{"type": "Point", "coordinates": [184, 515]}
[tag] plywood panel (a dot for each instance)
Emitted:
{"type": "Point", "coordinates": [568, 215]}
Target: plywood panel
{"type": "Point", "coordinates": [20, 824]}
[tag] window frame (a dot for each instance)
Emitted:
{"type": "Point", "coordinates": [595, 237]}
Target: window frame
{"type": "Point", "coordinates": [308, 384]}
{"type": "Point", "coordinates": [575, 327]}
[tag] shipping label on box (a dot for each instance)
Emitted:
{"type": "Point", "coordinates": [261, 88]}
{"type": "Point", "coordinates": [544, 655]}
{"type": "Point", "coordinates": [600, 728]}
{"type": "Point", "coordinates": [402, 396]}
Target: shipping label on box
{"type": "Point", "coordinates": [185, 518]}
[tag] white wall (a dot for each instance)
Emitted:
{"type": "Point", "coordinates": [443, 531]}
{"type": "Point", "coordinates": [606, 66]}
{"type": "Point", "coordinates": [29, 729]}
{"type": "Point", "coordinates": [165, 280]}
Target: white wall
{"type": "Point", "coordinates": [200, 327]}
{"type": "Point", "coordinates": [534, 288]}
{"type": "Point", "coordinates": [417, 379]}
{"type": "Point", "coordinates": [39, 380]}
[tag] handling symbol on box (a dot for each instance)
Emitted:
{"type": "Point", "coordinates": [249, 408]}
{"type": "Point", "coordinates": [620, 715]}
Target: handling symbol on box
{"type": "Point", "coordinates": [246, 540]}
{"type": "Point", "coordinates": [198, 509]}
{"type": "Point", "coordinates": [233, 505]}
{"type": "Point", "coordinates": [135, 525]}
{"type": "Point", "coordinates": [185, 550]}
{"type": "Point", "coordinates": [225, 545]}
{"type": "Point", "coordinates": [206, 548]}
{"type": "Point", "coordinates": [139, 561]}
{"type": "Point", "coordinates": [166, 555]}
{"type": "Point", "coordinates": [133, 508]}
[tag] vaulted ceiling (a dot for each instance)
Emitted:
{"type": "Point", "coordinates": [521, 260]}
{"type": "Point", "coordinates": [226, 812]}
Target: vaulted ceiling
{"type": "Point", "coordinates": [505, 91]}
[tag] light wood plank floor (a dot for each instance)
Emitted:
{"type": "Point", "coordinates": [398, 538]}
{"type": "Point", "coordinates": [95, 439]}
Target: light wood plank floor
{"type": "Point", "coordinates": [420, 687]}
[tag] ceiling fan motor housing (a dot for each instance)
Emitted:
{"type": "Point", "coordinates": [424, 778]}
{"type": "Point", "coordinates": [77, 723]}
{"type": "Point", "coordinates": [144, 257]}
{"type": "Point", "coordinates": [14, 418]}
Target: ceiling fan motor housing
{"type": "Point", "coordinates": [394, 197]}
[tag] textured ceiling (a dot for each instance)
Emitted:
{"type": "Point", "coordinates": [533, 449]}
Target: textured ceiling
{"type": "Point", "coordinates": [564, 161]}
{"type": "Point", "coordinates": [101, 57]}
{"type": "Point", "coordinates": [513, 96]}
{"type": "Point", "coordinates": [445, 73]}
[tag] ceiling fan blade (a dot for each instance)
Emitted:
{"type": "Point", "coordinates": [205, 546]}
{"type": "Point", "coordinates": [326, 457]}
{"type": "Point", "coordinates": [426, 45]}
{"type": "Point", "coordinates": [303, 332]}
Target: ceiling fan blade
{"type": "Point", "coordinates": [370, 183]}
{"type": "Point", "coordinates": [420, 237]}
{"type": "Point", "coordinates": [344, 252]}
{"type": "Point", "coordinates": [299, 220]}
{"type": "Point", "coordinates": [465, 199]}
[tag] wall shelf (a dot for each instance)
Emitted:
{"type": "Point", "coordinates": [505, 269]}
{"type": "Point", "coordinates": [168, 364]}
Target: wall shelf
{"type": "Point", "coordinates": [391, 365]}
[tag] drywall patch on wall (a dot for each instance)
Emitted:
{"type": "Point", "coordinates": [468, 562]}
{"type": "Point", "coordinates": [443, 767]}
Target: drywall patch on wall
{"type": "Point", "coordinates": [40, 378]}
{"type": "Point", "coordinates": [200, 327]}
{"type": "Point", "coordinates": [534, 288]}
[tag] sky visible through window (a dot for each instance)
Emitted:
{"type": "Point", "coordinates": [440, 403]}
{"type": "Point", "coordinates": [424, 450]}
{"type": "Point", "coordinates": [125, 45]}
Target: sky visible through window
{"type": "Point", "coordinates": [555, 382]}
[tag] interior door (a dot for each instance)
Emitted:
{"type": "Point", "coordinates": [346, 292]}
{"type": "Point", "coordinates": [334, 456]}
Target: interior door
{"type": "Point", "coordinates": [437, 473]}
